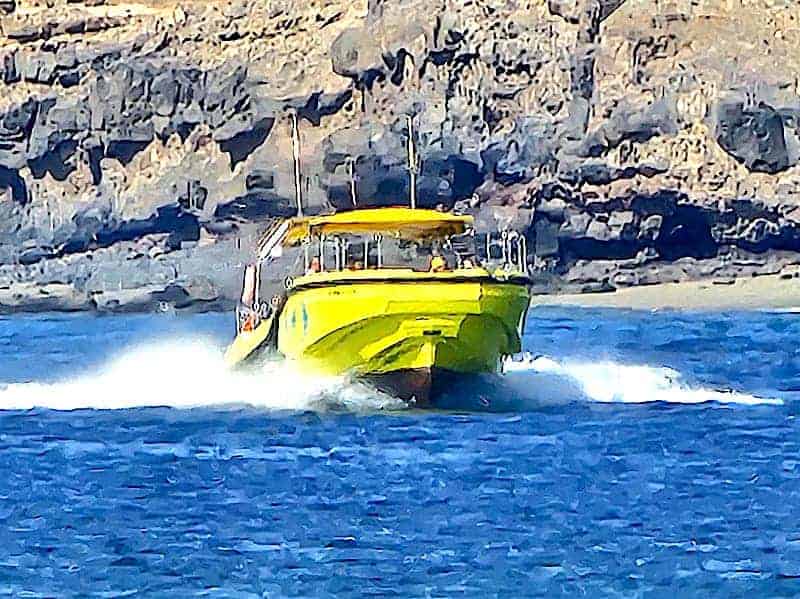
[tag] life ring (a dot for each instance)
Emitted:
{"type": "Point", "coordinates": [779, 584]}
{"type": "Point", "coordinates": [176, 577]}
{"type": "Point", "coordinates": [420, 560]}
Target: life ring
{"type": "Point", "coordinates": [249, 323]}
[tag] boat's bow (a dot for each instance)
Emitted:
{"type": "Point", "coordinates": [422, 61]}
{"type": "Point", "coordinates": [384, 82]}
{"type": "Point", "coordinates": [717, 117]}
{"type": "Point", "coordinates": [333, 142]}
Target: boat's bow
{"type": "Point", "coordinates": [379, 322]}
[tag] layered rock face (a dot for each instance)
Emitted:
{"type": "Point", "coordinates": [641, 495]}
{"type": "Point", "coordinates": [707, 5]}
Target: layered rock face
{"type": "Point", "coordinates": [144, 146]}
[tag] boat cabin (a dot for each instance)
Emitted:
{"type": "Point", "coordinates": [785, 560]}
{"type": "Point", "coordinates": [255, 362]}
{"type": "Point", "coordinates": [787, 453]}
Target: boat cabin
{"type": "Point", "coordinates": [386, 238]}
{"type": "Point", "coordinates": [399, 238]}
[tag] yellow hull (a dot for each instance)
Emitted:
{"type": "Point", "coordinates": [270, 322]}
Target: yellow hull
{"type": "Point", "coordinates": [377, 327]}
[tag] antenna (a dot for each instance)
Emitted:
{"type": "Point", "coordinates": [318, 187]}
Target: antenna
{"type": "Point", "coordinates": [296, 154]}
{"type": "Point", "coordinates": [351, 168]}
{"type": "Point", "coordinates": [412, 162]}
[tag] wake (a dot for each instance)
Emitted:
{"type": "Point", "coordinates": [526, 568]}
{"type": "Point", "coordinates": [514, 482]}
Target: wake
{"type": "Point", "coordinates": [611, 382]}
{"type": "Point", "coordinates": [191, 374]}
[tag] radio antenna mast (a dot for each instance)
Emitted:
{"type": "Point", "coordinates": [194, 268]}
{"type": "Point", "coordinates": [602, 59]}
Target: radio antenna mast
{"type": "Point", "coordinates": [351, 171]}
{"type": "Point", "coordinates": [296, 154]}
{"type": "Point", "coordinates": [412, 162]}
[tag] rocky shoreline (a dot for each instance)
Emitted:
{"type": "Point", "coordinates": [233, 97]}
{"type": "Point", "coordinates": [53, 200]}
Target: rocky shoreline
{"type": "Point", "coordinates": [144, 145]}
{"type": "Point", "coordinates": [774, 293]}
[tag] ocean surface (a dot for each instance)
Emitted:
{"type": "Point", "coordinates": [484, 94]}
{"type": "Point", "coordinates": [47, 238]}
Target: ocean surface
{"type": "Point", "coordinates": [629, 454]}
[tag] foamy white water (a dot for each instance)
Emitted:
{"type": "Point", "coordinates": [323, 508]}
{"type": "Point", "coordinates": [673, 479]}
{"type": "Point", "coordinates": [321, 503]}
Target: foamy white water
{"type": "Point", "coordinates": [610, 382]}
{"type": "Point", "coordinates": [190, 374]}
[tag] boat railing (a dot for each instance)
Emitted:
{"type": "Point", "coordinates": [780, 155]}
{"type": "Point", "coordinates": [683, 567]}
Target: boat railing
{"type": "Point", "coordinates": [506, 249]}
{"type": "Point", "coordinates": [272, 238]}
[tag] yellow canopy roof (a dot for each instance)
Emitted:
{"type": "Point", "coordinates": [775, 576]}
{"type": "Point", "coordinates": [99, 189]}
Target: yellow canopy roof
{"type": "Point", "coordinates": [404, 222]}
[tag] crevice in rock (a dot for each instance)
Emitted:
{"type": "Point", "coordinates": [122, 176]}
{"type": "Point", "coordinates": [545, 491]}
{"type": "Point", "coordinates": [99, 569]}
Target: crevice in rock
{"type": "Point", "coordinates": [240, 146]}
{"type": "Point", "coordinates": [320, 105]}
{"type": "Point", "coordinates": [255, 206]}
{"type": "Point", "coordinates": [125, 150]}
{"type": "Point", "coordinates": [184, 130]}
{"type": "Point", "coordinates": [55, 162]}
{"type": "Point", "coordinates": [11, 179]}
{"type": "Point", "coordinates": [94, 155]}
{"type": "Point", "coordinates": [686, 232]}
{"type": "Point", "coordinates": [587, 248]}
{"type": "Point", "coordinates": [180, 226]}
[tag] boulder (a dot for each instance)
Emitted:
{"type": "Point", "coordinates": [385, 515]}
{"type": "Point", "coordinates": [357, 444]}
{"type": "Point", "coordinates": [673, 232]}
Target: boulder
{"type": "Point", "coordinates": [754, 136]}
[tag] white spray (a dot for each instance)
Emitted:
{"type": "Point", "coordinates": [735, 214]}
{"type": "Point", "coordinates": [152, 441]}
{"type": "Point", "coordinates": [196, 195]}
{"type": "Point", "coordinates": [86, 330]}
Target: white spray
{"type": "Point", "coordinates": [189, 374]}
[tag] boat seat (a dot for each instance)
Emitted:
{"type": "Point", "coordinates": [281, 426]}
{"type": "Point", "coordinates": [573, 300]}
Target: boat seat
{"type": "Point", "coordinates": [463, 246]}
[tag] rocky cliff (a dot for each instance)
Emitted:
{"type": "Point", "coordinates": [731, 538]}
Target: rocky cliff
{"type": "Point", "coordinates": [143, 145]}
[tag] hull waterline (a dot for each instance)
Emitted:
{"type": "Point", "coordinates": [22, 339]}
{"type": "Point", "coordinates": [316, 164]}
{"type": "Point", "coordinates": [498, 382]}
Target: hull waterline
{"type": "Point", "coordinates": [412, 385]}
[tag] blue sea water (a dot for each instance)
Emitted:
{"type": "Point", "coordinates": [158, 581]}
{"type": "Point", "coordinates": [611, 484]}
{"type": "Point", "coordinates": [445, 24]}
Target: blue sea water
{"type": "Point", "coordinates": [631, 454]}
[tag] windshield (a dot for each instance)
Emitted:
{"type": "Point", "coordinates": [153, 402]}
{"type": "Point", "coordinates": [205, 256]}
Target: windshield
{"type": "Point", "coordinates": [354, 252]}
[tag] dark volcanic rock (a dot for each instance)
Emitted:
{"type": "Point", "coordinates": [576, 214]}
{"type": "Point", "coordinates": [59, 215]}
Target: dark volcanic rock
{"type": "Point", "coordinates": [631, 124]}
{"type": "Point", "coordinates": [754, 136]}
{"type": "Point", "coordinates": [138, 139]}
{"type": "Point", "coordinates": [524, 154]}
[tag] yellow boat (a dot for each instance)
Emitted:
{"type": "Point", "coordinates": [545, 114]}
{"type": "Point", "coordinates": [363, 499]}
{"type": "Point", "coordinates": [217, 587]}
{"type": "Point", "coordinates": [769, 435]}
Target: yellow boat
{"type": "Point", "coordinates": [401, 325]}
